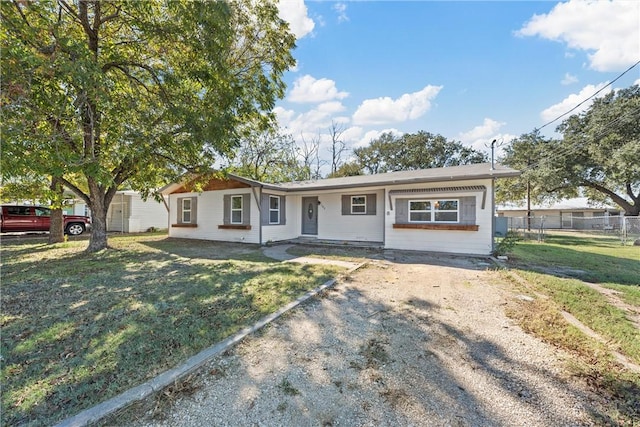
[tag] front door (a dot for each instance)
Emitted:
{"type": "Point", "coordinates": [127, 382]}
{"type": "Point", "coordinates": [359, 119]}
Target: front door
{"type": "Point", "coordinates": [310, 215]}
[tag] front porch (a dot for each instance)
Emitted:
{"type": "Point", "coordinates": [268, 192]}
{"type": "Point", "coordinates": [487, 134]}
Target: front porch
{"type": "Point", "coordinates": [313, 241]}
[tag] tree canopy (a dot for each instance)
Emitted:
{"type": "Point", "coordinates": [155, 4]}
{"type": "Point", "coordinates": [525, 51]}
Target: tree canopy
{"type": "Point", "coordinates": [268, 156]}
{"type": "Point", "coordinates": [420, 150]}
{"type": "Point", "coordinates": [600, 151]}
{"type": "Point", "coordinates": [524, 154]}
{"type": "Point", "coordinates": [98, 93]}
{"type": "Point", "coordinates": [599, 155]}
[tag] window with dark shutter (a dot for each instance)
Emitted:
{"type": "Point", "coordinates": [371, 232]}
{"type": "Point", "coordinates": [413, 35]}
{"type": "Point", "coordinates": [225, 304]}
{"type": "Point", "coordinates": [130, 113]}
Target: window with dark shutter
{"type": "Point", "coordinates": [236, 212]}
{"type": "Point", "coordinates": [273, 209]}
{"type": "Point", "coordinates": [187, 212]}
{"type": "Point", "coordinates": [436, 214]}
{"type": "Point", "coordinates": [359, 204]}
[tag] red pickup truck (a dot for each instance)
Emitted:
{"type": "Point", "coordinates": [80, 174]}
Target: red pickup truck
{"type": "Point", "coordinates": [38, 218]}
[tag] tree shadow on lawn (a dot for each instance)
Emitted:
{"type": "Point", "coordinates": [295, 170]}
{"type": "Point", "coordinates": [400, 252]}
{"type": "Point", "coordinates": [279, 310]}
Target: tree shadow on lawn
{"type": "Point", "coordinates": [82, 328]}
{"type": "Point", "coordinates": [352, 357]}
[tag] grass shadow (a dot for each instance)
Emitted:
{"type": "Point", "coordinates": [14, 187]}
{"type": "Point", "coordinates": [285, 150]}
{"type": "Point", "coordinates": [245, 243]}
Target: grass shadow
{"type": "Point", "coordinates": [78, 328]}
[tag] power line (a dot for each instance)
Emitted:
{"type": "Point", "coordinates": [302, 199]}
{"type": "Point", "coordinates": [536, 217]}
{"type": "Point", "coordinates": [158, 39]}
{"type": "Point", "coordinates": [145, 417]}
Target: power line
{"type": "Point", "coordinates": [591, 97]}
{"type": "Point", "coordinates": [567, 150]}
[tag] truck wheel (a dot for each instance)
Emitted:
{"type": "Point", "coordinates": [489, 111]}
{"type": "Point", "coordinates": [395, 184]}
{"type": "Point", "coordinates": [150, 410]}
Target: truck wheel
{"type": "Point", "coordinates": [75, 229]}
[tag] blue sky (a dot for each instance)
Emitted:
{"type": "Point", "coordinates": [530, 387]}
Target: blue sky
{"type": "Point", "coordinates": [471, 71]}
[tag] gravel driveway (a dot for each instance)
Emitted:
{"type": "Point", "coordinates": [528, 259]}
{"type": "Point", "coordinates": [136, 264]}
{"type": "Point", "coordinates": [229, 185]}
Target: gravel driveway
{"type": "Point", "coordinates": [416, 341]}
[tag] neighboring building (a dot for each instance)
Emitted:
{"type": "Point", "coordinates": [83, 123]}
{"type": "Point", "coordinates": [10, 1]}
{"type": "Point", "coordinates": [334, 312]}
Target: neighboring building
{"type": "Point", "coordinates": [129, 213]}
{"type": "Point", "coordinates": [443, 209]}
{"type": "Point", "coordinates": [574, 214]}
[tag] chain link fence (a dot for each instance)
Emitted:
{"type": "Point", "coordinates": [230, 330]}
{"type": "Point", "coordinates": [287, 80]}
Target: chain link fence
{"type": "Point", "coordinates": [626, 228]}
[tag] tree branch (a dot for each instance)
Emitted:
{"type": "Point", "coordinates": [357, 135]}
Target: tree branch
{"type": "Point", "coordinates": [76, 190]}
{"type": "Point", "coordinates": [617, 199]}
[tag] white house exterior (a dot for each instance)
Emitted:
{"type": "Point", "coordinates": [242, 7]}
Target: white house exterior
{"type": "Point", "coordinates": [443, 209]}
{"type": "Point", "coordinates": [129, 213]}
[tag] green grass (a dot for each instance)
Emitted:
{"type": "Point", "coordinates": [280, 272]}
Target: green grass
{"type": "Point", "coordinates": [80, 328]}
{"type": "Point", "coordinates": [558, 269]}
{"type": "Point", "coordinates": [592, 309]}
{"type": "Point", "coordinates": [598, 259]}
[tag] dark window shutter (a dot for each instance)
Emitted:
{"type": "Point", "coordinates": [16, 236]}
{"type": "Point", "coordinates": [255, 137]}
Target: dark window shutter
{"type": "Point", "coordinates": [194, 210]}
{"type": "Point", "coordinates": [371, 204]}
{"type": "Point", "coordinates": [264, 209]}
{"type": "Point", "coordinates": [283, 210]}
{"type": "Point", "coordinates": [179, 210]}
{"type": "Point", "coordinates": [346, 204]}
{"type": "Point", "coordinates": [246, 209]}
{"type": "Point", "coordinates": [402, 211]}
{"type": "Point", "coordinates": [226, 209]}
{"type": "Point", "coordinates": [467, 210]}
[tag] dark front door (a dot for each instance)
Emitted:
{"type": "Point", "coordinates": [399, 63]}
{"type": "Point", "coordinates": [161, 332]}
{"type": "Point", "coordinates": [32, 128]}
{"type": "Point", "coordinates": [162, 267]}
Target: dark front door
{"type": "Point", "coordinates": [310, 215]}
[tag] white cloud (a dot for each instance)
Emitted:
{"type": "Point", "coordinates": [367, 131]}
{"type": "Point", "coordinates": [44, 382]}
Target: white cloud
{"type": "Point", "coordinates": [488, 129]}
{"type": "Point", "coordinates": [309, 89]}
{"type": "Point", "coordinates": [341, 10]}
{"type": "Point", "coordinates": [295, 13]}
{"type": "Point", "coordinates": [569, 79]}
{"type": "Point", "coordinates": [609, 29]}
{"type": "Point", "coordinates": [284, 116]}
{"type": "Point", "coordinates": [313, 121]}
{"type": "Point", "coordinates": [480, 137]}
{"type": "Point", "coordinates": [369, 136]}
{"type": "Point", "coordinates": [384, 110]}
{"type": "Point", "coordinates": [637, 82]}
{"type": "Point", "coordinates": [571, 101]}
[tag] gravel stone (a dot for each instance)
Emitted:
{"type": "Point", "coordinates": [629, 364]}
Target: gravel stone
{"type": "Point", "coordinates": [415, 341]}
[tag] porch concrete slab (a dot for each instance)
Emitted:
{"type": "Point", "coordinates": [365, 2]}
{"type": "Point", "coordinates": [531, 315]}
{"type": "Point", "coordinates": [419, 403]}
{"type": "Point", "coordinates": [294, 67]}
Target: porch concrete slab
{"type": "Point", "coordinates": [279, 252]}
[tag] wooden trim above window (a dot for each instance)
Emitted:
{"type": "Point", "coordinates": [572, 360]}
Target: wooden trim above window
{"type": "Point", "coordinates": [455, 227]}
{"type": "Point", "coordinates": [234, 227]}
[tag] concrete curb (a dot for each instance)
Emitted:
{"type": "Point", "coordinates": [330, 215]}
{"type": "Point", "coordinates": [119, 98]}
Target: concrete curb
{"type": "Point", "coordinates": [167, 378]}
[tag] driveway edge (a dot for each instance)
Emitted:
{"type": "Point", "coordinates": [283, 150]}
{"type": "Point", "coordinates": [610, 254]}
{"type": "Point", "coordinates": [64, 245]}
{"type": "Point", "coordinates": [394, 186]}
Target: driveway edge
{"type": "Point", "coordinates": [192, 364]}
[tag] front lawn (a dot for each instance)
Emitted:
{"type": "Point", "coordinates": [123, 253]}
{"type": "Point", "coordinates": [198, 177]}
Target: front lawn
{"type": "Point", "coordinates": [80, 328]}
{"type": "Point", "coordinates": [576, 273]}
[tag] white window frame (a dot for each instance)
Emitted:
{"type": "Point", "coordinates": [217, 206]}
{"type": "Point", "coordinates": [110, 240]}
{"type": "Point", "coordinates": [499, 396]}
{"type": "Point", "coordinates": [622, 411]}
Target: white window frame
{"type": "Point", "coordinates": [183, 210]}
{"type": "Point", "coordinates": [436, 210]}
{"type": "Point", "coordinates": [363, 205]}
{"type": "Point", "coordinates": [274, 210]}
{"type": "Point", "coordinates": [410, 211]}
{"type": "Point", "coordinates": [240, 209]}
{"type": "Point", "coordinates": [433, 210]}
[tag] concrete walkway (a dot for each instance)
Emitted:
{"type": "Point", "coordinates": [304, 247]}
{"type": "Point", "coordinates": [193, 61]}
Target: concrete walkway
{"type": "Point", "coordinates": [279, 252]}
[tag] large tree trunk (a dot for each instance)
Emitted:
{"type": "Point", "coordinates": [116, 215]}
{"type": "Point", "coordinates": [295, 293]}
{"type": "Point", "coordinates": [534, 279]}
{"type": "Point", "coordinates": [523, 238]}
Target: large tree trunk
{"type": "Point", "coordinates": [98, 238]}
{"type": "Point", "coordinates": [56, 226]}
{"type": "Point", "coordinates": [100, 199]}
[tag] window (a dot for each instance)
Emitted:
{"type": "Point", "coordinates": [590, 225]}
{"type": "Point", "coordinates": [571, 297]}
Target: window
{"type": "Point", "coordinates": [236, 209]}
{"type": "Point", "coordinates": [419, 211]}
{"type": "Point", "coordinates": [42, 211]}
{"type": "Point", "coordinates": [433, 211]}
{"type": "Point", "coordinates": [18, 210]}
{"type": "Point", "coordinates": [186, 211]}
{"type": "Point", "coordinates": [274, 210]}
{"type": "Point", "coordinates": [446, 211]}
{"type": "Point", "coordinates": [358, 205]}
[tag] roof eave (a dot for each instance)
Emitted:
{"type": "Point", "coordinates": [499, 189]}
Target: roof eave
{"type": "Point", "coordinates": [494, 174]}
